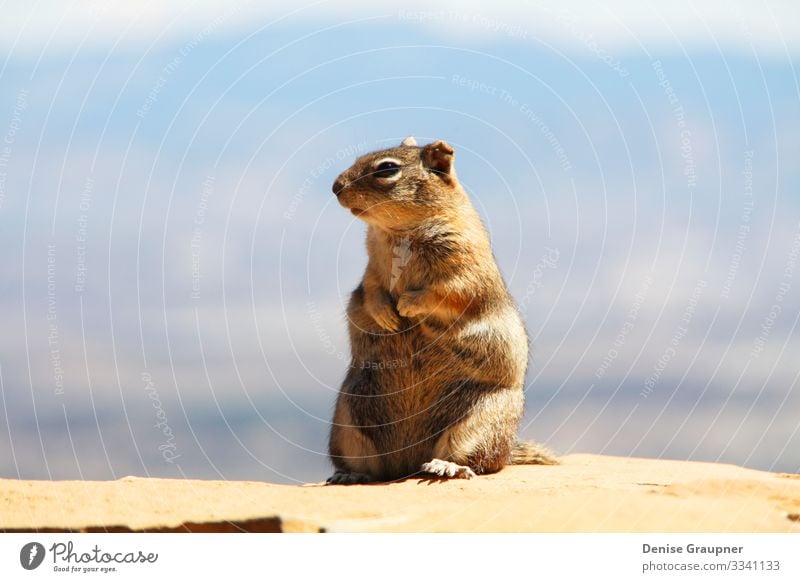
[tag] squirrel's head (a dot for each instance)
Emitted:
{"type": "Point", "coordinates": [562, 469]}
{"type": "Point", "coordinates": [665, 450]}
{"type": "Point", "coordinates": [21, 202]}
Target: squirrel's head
{"type": "Point", "coordinates": [400, 188]}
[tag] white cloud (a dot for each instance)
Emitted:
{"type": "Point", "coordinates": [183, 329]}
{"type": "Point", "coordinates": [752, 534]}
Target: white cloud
{"type": "Point", "coordinates": [618, 26]}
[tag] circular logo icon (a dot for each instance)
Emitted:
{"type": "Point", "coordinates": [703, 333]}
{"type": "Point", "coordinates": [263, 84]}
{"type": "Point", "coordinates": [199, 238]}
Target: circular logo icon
{"type": "Point", "coordinates": [31, 555]}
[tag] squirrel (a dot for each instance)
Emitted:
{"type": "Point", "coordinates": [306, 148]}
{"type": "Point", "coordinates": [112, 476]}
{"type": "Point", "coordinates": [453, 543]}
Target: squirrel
{"type": "Point", "coordinates": [439, 349]}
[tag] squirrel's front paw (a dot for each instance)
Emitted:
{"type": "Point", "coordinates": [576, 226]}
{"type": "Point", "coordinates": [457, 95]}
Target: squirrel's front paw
{"type": "Point", "coordinates": [385, 316]}
{"type": "Point", "coordinates": [410, 304]}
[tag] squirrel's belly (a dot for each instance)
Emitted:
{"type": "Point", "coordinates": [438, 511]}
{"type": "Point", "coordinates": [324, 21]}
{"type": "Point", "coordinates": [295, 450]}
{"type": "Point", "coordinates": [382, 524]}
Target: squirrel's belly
{"type": "Point", "coordinates": [406, 388]}
{"type": "Point", "coordinates": [397, 380]}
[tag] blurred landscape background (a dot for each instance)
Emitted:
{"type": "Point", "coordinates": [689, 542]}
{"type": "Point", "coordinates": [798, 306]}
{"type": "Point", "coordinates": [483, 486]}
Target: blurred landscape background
{"type": "Point", "coordinates": [175, 268]}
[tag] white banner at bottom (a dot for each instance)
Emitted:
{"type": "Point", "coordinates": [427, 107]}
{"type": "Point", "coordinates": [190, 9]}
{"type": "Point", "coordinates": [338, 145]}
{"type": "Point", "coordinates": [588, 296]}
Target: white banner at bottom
{"type": "Point", "coordinates": [388, 557]}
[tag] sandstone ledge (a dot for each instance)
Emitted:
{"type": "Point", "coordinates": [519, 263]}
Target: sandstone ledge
{"type": "Point", "coordinates": [587, 493]}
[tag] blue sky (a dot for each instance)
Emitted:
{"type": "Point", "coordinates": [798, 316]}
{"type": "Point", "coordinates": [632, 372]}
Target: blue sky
{"type": "Point", "coordinates": [177, 269]}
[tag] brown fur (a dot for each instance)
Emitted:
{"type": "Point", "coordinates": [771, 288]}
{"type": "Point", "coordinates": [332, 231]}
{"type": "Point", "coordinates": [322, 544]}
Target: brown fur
{"type": "Point", "coordinates": [439, 350]}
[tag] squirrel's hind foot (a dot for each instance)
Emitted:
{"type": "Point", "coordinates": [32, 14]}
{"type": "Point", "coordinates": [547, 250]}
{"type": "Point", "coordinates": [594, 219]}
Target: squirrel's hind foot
{"type": "Point", "coordinates": [348, 478]}
{"type": "Point", "coordinates": [447, 469]}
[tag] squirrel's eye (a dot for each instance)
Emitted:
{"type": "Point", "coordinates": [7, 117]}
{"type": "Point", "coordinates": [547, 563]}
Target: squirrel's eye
{"type": "Point", "coordinates": [386, 170]}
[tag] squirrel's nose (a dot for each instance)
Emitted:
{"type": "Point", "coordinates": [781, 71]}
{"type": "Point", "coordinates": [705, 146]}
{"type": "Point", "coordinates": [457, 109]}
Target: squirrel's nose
{"type": "Point", "coordinates": [338, 186]}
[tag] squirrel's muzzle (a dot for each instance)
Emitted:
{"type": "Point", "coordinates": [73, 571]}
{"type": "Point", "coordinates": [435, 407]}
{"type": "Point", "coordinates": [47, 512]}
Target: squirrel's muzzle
{"type": "Point", "coordinates": [338, 186]}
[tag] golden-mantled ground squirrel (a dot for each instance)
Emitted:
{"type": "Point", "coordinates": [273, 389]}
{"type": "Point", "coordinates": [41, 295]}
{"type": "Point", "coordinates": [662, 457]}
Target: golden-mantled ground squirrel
{"type": "Point", "coordinates": [439, 350]}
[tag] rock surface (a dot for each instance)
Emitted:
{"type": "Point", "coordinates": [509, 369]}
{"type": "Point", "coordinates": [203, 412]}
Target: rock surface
{"type": "Point", "coordinates": [586, 493]}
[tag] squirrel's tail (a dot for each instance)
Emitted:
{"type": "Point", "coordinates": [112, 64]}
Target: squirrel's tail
{"type": "Point", "coordinates": [530, 453]}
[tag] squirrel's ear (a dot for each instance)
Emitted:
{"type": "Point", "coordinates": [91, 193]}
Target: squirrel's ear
{"type": "Point", "coordinates": [438, 156]}
{"type": "Point", "coordinates": [409, 141]}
